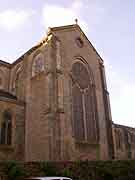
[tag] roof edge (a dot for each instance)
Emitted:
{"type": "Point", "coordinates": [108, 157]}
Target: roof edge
{"type": "Point", "coordinates": [4, 63]}
{"type": "Point", "coordinates": [78, 27]}
{"type": "Point", "coordinates": [30, 50]}
{"type": "Point", "coordinates": [73, 26]}
{"type": "Point", "coordinates": [123, 126]}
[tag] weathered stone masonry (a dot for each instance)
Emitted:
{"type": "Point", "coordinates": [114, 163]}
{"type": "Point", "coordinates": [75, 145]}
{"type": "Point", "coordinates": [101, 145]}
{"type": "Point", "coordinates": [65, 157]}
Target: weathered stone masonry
{"type": "Point", "coordinates": [57, 105]}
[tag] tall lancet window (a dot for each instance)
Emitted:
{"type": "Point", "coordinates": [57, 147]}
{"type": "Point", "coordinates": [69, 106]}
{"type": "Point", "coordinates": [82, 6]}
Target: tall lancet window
{"type": "Point", "coordinates": [6, 128]}
{"type": "Point", "coordinates": [84, 103]}
{"type": "Point", "coordinates": [38, 64]}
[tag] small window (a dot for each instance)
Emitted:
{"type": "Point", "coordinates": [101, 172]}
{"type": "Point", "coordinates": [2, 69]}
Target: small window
{"type": "Point", "coordinates": [79, 42]}
{"type": "Point", "coordinates": [6, 128]}
{"type": "Point", "coordinates": [1, 83]}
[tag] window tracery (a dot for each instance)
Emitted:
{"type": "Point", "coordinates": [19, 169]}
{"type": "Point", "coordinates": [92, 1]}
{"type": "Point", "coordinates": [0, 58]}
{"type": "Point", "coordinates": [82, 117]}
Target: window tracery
{"type": "Point", "coordinates": [83, 100]}
{"type": "Point", "coordinates": [38, 64]}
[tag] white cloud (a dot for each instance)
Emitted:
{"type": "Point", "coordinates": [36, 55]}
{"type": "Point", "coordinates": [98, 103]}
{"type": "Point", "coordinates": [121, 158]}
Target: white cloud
{"type": "Point", "coordinates": [57, 15]}
{"type": "Point", "coordinates": [122, 97]}
{"type": "Point", "coordinates": [89, 14]}
{"type": "Point", "coordinates": [14, 19]}
{"type": "Point", "coordinates": [77, 5]}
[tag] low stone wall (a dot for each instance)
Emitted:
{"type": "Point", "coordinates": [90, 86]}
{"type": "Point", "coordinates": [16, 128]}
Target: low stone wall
{"type": "Point", "coordinates": [86, 170]}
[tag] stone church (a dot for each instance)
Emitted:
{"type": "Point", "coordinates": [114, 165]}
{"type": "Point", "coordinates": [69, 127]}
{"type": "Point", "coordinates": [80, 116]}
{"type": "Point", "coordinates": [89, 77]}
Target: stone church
{"type": "Point", "coordinates": [54, 103]}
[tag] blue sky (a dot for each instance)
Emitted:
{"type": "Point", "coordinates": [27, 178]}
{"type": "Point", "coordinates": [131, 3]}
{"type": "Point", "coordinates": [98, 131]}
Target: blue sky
{"type": "Point", "coordinates": [109, 25]}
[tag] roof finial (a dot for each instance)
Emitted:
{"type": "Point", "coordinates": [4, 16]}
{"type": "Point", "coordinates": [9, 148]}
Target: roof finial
{"type": "Point", "coordinates": [76, 21]}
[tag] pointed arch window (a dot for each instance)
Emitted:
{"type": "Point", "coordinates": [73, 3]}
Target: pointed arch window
{"type": "Point", "coordinates": [84, 103]}
{"type": "Point", "coordinates": [38, 64]}
{"type": "Point", "coordinates": [6, 128]}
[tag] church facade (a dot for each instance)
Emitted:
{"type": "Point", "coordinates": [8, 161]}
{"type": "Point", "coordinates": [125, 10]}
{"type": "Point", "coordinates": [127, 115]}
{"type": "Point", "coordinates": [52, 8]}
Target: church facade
{"type": "Point", "coordinates": [54, 104]}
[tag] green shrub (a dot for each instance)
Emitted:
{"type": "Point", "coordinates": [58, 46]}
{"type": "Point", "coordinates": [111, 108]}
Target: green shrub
{"type": "Point", "coordinates": [80, 170]}
{"type": "Point", "coordinates": [48, 169]}
{"type": "Point", "coordinates": [14, 170]}
{"type": "Point", "coordinates": [66, 172]}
